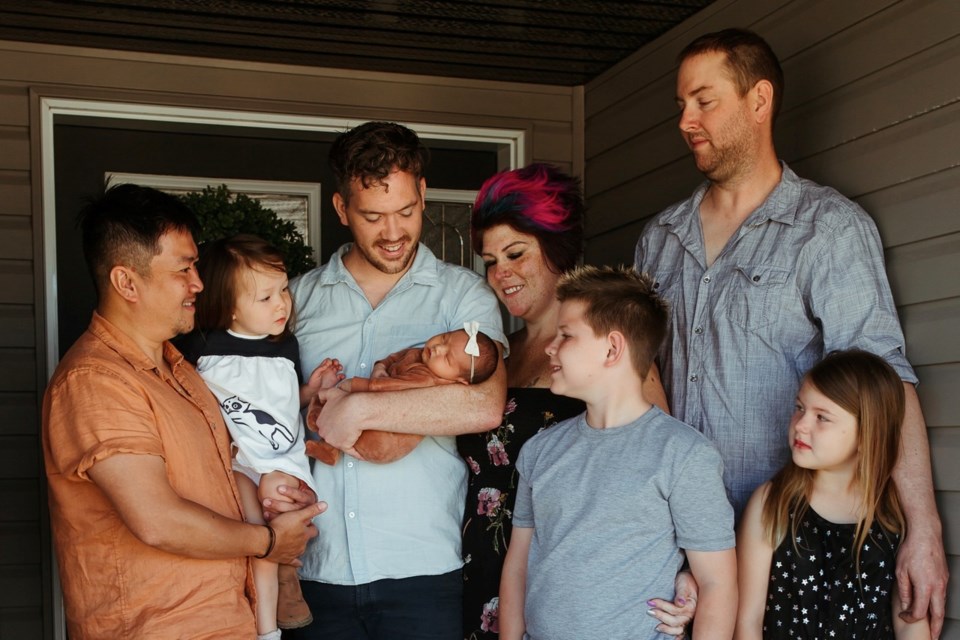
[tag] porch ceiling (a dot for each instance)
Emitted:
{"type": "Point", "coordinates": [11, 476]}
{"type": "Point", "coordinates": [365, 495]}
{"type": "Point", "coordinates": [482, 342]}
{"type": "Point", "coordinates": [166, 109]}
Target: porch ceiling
{"type": "Point", "coordinates": [559, 42]}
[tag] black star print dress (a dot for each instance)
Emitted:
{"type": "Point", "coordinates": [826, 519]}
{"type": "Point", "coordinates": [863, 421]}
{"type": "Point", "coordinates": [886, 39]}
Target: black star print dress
{"type": "Point", "coordinates": [815, 591]}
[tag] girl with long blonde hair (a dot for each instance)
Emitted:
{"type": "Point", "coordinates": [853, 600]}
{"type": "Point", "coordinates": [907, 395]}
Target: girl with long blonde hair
{"type": "Point", "coordinates": [817, 544]}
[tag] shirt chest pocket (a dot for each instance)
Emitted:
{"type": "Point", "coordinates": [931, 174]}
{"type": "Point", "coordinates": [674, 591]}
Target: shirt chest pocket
{"type": "Point", "coordinates": [666, 284]}
{"type": "Point", "coordinates": [757, 294]}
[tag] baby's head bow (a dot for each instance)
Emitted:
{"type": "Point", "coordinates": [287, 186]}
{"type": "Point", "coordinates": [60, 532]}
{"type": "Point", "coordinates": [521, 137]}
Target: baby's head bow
{"type": "Point", "coordinates": [472, 348]}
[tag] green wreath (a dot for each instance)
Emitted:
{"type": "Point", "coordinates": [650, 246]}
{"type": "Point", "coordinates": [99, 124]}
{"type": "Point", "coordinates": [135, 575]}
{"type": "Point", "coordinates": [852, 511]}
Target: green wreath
{"type": "Point", "coordinates": [223, 214]}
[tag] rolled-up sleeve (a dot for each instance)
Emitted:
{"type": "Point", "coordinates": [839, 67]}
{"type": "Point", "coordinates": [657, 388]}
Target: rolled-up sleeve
{"type": "Point", "coordinates": [94, 414]}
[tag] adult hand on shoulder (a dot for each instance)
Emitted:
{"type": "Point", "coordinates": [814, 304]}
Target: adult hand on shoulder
{"type": "Point", "coordinates": [922, 578]}
{"type": "Point", "coordinates": [333, 416]}
{"type": "Point", "coordinates": [292, 531]}
{"type": "Point", "coordinates": [675, 616]}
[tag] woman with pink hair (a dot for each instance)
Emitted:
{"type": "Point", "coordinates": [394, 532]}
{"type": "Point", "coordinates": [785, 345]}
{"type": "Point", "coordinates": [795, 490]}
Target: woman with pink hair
{"type": "Point", "coordinates": [528, 228]}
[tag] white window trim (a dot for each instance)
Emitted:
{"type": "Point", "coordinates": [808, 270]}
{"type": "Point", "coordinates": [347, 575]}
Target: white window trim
{"type": "Point", "coordinates": [310, 191]}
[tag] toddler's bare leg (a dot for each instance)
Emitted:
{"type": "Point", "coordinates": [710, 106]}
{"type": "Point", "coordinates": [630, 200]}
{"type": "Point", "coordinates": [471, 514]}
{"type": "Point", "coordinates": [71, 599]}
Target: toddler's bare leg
{"type": "Point", "coordinates": [264, 571]}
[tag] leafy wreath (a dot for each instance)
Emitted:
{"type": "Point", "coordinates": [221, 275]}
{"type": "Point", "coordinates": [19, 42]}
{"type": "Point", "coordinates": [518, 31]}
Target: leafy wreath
{"type": "Point", "coordinates": [223, 214]}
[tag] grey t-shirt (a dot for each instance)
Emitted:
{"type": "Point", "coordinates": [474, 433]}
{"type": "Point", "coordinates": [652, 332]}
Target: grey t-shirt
{"type": "Point", "coordinates": [611, 510]}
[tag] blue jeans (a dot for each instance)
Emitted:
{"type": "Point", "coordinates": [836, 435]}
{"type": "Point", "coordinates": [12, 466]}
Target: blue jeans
{"type": "Point", "coordinates": [418, 608]}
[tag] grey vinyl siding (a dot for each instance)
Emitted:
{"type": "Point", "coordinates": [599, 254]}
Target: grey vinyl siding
{"type": "Point", "coordinates": [23, 566]}
{"type": "Point", "coordinates": [549, 115]}
{"type": "Point", "coordinates": [872, 107]}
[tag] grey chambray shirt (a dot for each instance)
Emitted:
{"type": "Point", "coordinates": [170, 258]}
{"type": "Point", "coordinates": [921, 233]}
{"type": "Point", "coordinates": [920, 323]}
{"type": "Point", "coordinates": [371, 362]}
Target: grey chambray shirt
{"type": "Point", "coordinates": [802, 276]}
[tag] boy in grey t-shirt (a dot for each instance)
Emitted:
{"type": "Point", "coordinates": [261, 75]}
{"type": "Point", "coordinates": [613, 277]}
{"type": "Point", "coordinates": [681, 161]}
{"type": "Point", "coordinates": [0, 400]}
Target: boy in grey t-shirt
{"type": "Point", "coordinates": [608, 501]}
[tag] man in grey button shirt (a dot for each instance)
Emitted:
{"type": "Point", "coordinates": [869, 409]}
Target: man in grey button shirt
{"type": "Point", "coordinates": [765, 273]}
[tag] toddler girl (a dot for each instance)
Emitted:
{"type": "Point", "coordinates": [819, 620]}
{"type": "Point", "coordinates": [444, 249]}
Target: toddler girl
{"type": "Point", "coordinates": [244, 350]}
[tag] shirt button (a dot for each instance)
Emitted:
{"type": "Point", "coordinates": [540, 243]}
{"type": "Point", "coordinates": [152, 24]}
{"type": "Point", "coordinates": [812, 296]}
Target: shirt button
{"type": "Point", "coordinates": [350, 465]}
{"type": "Point", "coordinates": [352, 514]}
{"type": "Point", "coordinates": [363, 365]}
{"type": "Point", "coordinates": [706, 279]}
{"type": "Point", "coordinates": [698, 330]}
{"type": "Point", "coordinates": [693, 378]}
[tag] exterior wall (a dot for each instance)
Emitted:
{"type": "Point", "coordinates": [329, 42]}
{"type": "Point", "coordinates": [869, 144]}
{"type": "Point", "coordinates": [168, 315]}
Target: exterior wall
{"type": "Point", "coordinates": [872, 107]}
{"type": "Point", "coordinates": [551, 117]}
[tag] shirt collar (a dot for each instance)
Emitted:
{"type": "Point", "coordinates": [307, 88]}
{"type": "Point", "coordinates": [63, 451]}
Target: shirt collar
{"type": "Point", "coordinates": [677, 215]}
{"type": "Point", "coordinates": [126, 348]}
{"type": "Point", "coordinates": [780, 205]}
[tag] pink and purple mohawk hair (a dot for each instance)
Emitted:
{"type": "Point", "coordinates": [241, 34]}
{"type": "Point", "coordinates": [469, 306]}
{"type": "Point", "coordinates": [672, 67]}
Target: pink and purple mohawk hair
{"type": "Point", "coordinates": [538, 199]}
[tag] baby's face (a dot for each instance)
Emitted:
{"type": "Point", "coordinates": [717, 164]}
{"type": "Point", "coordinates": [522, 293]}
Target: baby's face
{"type": "Point", "coordinates": [444, 355]}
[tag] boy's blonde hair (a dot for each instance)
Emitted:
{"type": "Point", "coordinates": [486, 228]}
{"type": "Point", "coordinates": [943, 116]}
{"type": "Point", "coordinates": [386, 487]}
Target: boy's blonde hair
{"type": "Point", "coordinates": [620, 299]}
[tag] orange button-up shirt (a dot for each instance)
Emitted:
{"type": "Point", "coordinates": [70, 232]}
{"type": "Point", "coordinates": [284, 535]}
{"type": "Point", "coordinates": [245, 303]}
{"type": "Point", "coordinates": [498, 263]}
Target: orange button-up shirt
{"type": "Point", "coordinates": [105, 398]}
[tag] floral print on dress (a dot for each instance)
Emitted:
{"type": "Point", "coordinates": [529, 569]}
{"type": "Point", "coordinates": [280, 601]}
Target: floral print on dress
{"type": "Point", "coordinates": [488, 502]}
{"type": "Point", "coordinates": [474, 466]}
{"type": "Point", "coordinates": [498, 452]}
{"type": "Point", "coordinates": [490, 618]}
{"type": "Point", "coordinates": [492, 483]}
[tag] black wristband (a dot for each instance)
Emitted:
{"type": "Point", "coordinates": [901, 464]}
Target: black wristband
{"type": "Point", "coordinates": [273, 541]}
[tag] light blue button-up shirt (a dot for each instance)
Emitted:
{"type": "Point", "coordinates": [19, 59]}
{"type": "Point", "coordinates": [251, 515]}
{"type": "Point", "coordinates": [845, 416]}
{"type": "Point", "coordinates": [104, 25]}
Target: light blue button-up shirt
{"type": "Point", "coordinates": [401, 519]}
{"type": "Point", "coordinates": [802, 276]}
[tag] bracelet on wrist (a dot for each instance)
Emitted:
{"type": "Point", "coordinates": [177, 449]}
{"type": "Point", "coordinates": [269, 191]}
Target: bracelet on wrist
{"type": "Point", "coordinates": [273, 541]}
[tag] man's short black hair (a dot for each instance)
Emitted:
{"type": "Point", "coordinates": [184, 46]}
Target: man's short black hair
{"type": "Point", "coordinates": [123, 226]}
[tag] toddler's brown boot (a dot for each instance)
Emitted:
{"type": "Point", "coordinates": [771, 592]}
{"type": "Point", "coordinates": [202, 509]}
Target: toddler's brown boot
{"type": "Point", "coordinates": [292, 610]}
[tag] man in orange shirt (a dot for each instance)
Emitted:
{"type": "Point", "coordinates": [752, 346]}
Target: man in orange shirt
{"type": "Point", "coordinates": [146, 517]}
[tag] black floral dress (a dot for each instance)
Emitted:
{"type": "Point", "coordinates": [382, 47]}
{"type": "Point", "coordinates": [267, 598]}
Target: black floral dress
{"type": "Point", "coordinates": [490, 496]}
{"type": "Point", "coordinates": [815, 591]}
